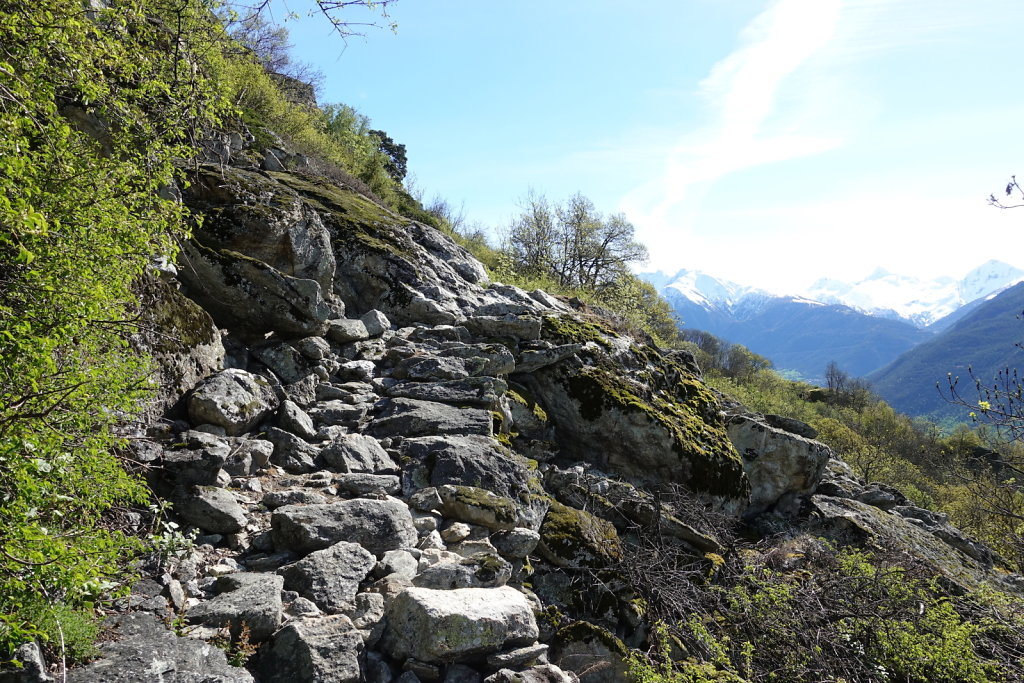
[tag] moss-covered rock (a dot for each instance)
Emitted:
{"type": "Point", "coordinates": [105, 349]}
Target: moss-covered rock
{"type": "Point", "coordinates": [643, 417]}
{"type": "Point", "coordinates": [576, 538]}
{"type": "Point", "coordinates": [478, 506]}
{"type": "Point", "coordinates": [181, 338]}
{"type": "Point", "coordinates": [592, 652]}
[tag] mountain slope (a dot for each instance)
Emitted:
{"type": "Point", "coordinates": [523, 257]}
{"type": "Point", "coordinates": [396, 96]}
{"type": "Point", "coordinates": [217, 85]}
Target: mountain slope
{"type": "Point", "coordinates": [983, 340]}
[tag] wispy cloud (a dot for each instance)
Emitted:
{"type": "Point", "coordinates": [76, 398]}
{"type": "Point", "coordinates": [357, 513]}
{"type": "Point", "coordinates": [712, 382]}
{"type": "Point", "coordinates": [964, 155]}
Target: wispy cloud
{"type": "Point", "coordinates": [742, 93]}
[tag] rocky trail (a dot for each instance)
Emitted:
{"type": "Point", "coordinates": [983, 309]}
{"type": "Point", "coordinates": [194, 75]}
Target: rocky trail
{"type": "Point", "coordinates": [396, 471]}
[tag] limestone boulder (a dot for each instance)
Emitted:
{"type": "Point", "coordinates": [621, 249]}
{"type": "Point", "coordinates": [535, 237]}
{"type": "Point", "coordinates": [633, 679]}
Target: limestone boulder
{"type": "Point", "coordinates": [464, 623]}
{"type": "Point", "coordinates": [262, 219]}
{"type": "Point", "coordinates": [330, 577]}
{"type": "Point", "coordinates": [780, 465]}
{"type": "Point", "coordinates": [212, 509]}
{"type": "Point", "coordinates": [233, 399]}
{"type": "Point", "coordinates": [358, 453]}
{"type": "Point", "coordinates": [251, 296]}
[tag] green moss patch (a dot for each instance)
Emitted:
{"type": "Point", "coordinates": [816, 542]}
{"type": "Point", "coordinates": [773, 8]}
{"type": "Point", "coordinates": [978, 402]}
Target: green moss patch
{"type": "Point", "coordinates": [353, 215]}
{"type": "Point", "coordinates": [565, 329]}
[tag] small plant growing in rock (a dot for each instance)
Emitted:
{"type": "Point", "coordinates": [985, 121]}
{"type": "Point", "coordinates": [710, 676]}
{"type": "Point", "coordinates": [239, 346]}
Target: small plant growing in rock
{"type": "Point", "coordinates": [238, 650]}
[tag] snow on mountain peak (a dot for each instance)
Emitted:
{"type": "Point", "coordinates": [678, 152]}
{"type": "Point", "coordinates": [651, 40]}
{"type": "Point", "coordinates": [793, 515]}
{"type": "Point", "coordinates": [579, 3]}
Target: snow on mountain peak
{"type": "Point", "coordinates": [882, 293]}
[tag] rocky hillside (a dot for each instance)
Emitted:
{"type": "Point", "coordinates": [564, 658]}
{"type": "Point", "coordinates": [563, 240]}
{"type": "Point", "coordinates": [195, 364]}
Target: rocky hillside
{"type": "Point", "coordinates": [396, 470]}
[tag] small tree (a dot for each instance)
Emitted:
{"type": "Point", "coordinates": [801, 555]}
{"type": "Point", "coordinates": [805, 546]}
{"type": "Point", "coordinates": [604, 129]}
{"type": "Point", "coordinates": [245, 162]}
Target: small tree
{"type": "Point", "coordinates": [573, 243]}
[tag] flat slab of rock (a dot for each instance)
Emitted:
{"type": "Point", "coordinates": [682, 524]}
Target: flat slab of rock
{"type": "Point", "coordinates": [472, 391]}
{"type": "Point", "coordinates": [377, 525]}
{"type": "Point", "coordinates": [145, 650]}
{"type": "Point", "coordinates": [408, 417]}
{"type": "Point", "coordinates": [462, 624]}
{"type": "Point", "coordinates": [233, 399]}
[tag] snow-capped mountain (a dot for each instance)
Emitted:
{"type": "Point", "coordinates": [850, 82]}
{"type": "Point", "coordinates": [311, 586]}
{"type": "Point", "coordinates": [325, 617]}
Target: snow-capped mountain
{"type": "Point", "coordinates": [709, 292]}
{"type": "Point", "coordinates": [920, 302]}
{"type": "Point", "coordinates": [796, 333]}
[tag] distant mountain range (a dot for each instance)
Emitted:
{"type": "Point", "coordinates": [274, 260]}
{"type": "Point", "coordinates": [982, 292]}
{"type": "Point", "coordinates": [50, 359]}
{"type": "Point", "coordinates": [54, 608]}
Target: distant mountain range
{"type": "Point", "coordinates": [862, 326]}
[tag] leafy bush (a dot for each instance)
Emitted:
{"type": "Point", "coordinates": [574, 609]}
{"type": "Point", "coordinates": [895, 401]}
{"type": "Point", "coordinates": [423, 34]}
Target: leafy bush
{"type": "Point", "coordinates": [81, 218]}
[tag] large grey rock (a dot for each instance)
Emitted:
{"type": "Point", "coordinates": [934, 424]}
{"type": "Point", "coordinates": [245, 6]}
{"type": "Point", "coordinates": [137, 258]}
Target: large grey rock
{"type": "Point", "coordinates": [330, 577]}
{"type": "Point", "coordinates": [377, 525]}
{"type": "Point", "coordinates": [143, 650]}
{"type": "Point", "coordinates": [233, 399]}
{"type": "Point", "coordinates": [434, 369]}
{"type": "Point", "coordinates": [338, 413]}
{"type": "Point", "coordinates": [252, 599]}
{"type": "Point", "coordinates": [478, 460]}
{"type": "Point", "coordinates": [292, 418]}
{"type": "Point", "coordinates": [666, 424]}
{"type": "Point", "coordinates": [376, 323]}
{"type": "Point", "coordinates": [212, 509]}
{"type": "Point", "coordinates": [408, 417]}
{"type": "Point", "coordinates": [482, 570]}
{"type": "Point", "coordinates": [284, 360]}
{"type": "Point", "coordinates": [780, 465]}
{"type": "Point", "coordinates": [361, 484]}
{"type": "Point", "coordinates": [490, 360]}
{"type": "Point", "coordinates": [464, 623]}
{"type": "Point", "coordinates": [249, 295]}
{"type": "Point", "coordinates": [264, 220]}
{"type": "Point", "coordinates": [533, 360]}
{"type": "Point", "coordinates": [358, 453]}
{"type": "Point", "coordinates": [344, 330]}
{"type": "Point", "coordinates": [316, 650]}
{"type": "Point", "coordinates": [508, 326]}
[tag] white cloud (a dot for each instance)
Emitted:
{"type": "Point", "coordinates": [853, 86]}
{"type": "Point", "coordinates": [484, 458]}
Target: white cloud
{"type": "Point", "coordinates": [742, 92]}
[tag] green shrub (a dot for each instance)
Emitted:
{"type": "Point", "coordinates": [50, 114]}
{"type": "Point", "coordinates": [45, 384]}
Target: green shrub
{"type": "Point", "coordinates": [81, 218]}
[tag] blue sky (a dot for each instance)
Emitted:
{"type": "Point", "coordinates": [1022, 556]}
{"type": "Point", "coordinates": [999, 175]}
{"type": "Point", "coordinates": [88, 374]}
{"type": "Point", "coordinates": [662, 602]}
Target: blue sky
{"type": "Point", "coordinates": [769, 142]}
